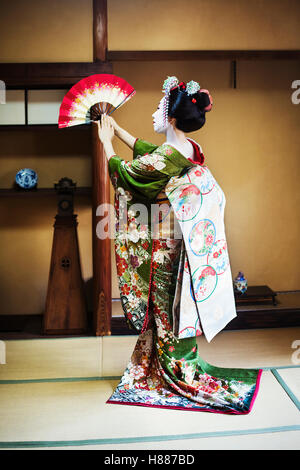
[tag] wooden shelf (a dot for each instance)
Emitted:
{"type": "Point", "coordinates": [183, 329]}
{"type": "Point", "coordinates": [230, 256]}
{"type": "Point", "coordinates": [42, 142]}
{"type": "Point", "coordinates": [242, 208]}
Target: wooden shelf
{"type": "Point", "coordinates": [49, 75]}
{"type": "Point", "coordinates": [204, 55]}
{"type": "Point", "coordinates": [284, 314]}
{"type": "Point", "coordinates": [43, 127]}
{"type": "Point", "coordinates": [39, 192]}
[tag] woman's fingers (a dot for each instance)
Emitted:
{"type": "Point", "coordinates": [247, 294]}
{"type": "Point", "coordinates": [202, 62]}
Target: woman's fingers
{"type": "Point", "coordinates": [104, 120]}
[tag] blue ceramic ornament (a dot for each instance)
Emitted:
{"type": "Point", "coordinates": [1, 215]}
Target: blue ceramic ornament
{"type": "Point", "coordinates": [240, 284]}
{"type": "Point", "coordinates": [26, 178]}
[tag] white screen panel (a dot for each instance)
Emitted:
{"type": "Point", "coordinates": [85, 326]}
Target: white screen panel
{"type": "Point", "coordinates": [43, 106]}
{"type": "Point", "coordinates": [13, 111]}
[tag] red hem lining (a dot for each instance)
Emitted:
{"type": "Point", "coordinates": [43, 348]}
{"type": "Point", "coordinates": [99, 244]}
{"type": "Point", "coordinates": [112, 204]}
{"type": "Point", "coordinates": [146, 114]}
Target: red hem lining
{"type": "Point", "coordinates": [256, 389]}
{"type": "Point", "coordinates": [182, 408]}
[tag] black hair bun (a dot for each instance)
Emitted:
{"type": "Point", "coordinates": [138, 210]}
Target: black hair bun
{"type": "Point", "coordinates": [189, 110]}
{"type": "Point", "coordinates": [204, 100]}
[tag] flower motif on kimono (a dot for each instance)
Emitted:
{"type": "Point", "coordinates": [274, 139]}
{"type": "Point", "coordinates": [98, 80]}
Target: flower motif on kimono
{"type": "Point", "coordinates": [168, 150]}
{"type": "Point", "coordinates": [173, 183]}
{"type": "Point", "coordinates": [137, 372]}
{"type": "Point", "coordinates": [173, 362]}
{"type": "Point", "coordinates": [121, 265]}
{"type": "Point", "coordinates": [114, 179]}
{"type": "Point", "coordinates": [189, 372]}
{"type": "Point", "coordinates": [134, 261]}
{"type": "Point", "coordinates": [153, 161]}
{"type": "Point", "coordinates": [162, 333]}
{"type": "Point", "coordinates": [136, 232]}
{"type": "Point", "coordinates": [125, 289]}
{"type": "Point", "coordinates": [122, 192]}
{"type": "Point", "coordinates": [160, 256]}
{"type": "Point", "coordinates": [173, 243]}
{"type": "Point", "coordinates": [199, 172]}
{"type": "Point", "coordinates": [133, 300]}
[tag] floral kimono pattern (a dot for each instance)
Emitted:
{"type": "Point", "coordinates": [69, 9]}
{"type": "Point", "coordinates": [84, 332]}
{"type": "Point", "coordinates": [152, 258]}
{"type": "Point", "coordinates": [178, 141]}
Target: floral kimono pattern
{"type": "Point", "coordinates": [166, 369]}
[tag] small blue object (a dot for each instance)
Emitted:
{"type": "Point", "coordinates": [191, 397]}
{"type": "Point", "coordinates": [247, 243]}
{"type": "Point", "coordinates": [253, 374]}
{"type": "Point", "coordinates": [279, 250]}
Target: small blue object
{"type": "Point", "coordinates": [26, 178]}
{"type": "Point", "coordinates": [240, 284]}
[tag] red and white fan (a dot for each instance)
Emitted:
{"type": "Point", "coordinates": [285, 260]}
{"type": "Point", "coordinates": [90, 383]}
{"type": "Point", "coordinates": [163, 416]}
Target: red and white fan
{"type": "Point", "coordinates": [93, 96]}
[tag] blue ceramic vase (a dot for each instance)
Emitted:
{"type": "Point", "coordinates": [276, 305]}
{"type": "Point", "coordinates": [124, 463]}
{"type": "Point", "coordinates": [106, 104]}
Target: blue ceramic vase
{"type": "Point", "coordinates": [240, 284]}
{"type": "Point", "coordinates": [26, 178]}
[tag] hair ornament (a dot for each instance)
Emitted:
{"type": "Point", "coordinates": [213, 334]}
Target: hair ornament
{"type": "Point", "coordinates": [169, 83]}
{"type": "Point", "coordinates": [192, 87]}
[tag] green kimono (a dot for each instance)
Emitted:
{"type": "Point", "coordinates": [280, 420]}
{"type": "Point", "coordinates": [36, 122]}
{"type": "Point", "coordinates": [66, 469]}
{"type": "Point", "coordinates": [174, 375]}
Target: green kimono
{"type": "Point", "coordinates": [139, 181]}
{"type": "Point", "coordinates": [165, 369]}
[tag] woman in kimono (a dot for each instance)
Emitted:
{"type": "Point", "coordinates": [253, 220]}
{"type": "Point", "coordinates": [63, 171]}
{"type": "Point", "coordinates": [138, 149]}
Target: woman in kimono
{"type": "Point", "coordinates": [172, 263]}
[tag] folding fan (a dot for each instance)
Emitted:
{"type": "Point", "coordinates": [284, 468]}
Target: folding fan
{"type": "Point", "coordinates": [93, 96]}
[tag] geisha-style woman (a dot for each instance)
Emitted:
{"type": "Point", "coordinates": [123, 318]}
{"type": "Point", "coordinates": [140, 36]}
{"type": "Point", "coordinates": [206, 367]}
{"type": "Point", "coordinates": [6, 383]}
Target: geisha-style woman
{"type": "Point", "coordinates": [173, 268]}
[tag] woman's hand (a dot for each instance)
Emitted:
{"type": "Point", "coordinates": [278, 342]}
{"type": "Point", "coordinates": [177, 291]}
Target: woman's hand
{"type": "Point", "coordinates": [105, 129]}
{"type": "Point", "coordinates": [113, 123]}
{"type": "Point", "coordinates": [114, 127]}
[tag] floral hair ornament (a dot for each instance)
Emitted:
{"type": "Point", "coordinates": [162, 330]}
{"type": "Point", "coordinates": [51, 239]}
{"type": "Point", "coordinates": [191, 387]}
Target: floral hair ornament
{"type": "Point", "coordinates": [192, 87]}
{"type": "Point", "coordinates": [169, 84]}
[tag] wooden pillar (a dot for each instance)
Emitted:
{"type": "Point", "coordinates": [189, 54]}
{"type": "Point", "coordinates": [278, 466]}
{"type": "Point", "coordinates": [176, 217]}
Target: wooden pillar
{"type": "Point", "coordinates": [101, 248]}
{"type": "Point", "coordinates": [100, 30]}
{"type": "Point", "coordinates": [101, 193]}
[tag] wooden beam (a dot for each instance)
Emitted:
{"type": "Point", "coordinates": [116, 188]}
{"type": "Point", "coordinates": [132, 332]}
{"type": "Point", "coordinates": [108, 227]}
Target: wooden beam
{"type": "Point", "coordinates": [40, 192]}
{"type": "Point", "coordinates": [101, 248]}
{"type": "Point", "coordinates": [47, 75]}
{"type": "Point", "coordinates": [114, 56]}
{"type": "Point", "coordinates": [99, 30]}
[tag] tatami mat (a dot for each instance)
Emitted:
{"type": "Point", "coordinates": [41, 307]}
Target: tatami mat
{"type": "Point", "coordinates": [51, 358]}
{"type": "Point", "coordinates": [270, 347]}
{"type": "Point", "coordinates": [260, 441]}
{"type": "Point", "coordinates": [109, 355]}
{"type": "Point", "coordinates": [290, 380]}
{"type": "Point", "coordinates": [53, 394]}
{"type": "Point", "coordinates": [71, 411]}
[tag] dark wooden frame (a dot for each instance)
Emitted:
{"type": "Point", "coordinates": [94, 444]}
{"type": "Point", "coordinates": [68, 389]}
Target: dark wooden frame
{"type": "Point", "coordinates": [49, 75]}
{"type": "Point", "coordinates": [45, 75]}
{"type": "Point", "coordinates": [60, 75]}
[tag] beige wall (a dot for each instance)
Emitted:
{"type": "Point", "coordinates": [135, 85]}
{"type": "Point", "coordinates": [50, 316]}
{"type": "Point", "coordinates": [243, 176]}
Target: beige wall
{"type": "Point", "coordinates": [250, 140]}
{"type": "Point", "coordinates": [46, 31]}
{"type": "Point", "coordinates": [203, 24]}
{"type": "Point", "coordinates": [61, 30]}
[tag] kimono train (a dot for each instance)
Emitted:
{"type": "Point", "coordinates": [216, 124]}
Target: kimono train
{"type": "Point", "coordinates": [175, 282]}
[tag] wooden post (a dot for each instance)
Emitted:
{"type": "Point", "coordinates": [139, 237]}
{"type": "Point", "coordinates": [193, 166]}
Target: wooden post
{"type": "Point", "coordinates": [101, 193]}
{"type": "Point", "coordinates": [100, 30]}
{"type": "Point", "coordinates": [101, 248]}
